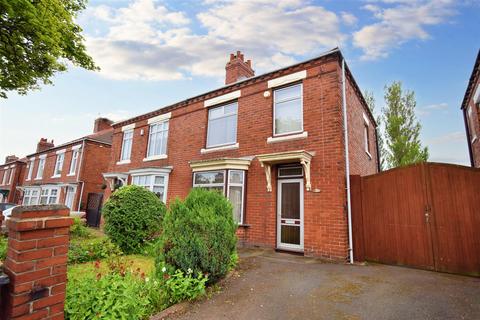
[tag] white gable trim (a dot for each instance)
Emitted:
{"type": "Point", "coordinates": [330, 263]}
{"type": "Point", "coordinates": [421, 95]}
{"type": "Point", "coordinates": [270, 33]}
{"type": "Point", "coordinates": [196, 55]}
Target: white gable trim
{"type": "Point", "coordinates": [223, 98]}
{"type": "Point", "coordinates": [160, 118]}
{"type": "Point", "coordinates": [289, 78]}
{"type": "Point", "coordinates": [128, 127]}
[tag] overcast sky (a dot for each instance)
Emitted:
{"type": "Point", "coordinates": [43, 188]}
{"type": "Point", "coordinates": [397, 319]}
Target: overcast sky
{"type": "Point", "coordinates": [153, 53]}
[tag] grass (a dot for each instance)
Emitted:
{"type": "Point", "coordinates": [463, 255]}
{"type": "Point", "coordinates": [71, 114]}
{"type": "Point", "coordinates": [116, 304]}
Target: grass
{"type": "Point", "coordinates": [145, 264]}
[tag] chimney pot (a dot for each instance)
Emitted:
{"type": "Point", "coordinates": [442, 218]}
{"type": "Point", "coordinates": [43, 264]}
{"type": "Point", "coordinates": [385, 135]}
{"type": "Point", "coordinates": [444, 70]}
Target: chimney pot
{"type": "Point", "coordinates": [238, 69]}
{"type": "Point", "coordinates": [43, 145]}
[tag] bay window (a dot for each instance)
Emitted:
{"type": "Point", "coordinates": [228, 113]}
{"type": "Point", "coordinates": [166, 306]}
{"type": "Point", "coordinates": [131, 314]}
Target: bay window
{"type": "Point", "coordinates": [49, 195]}
{"type": "Point", "coordinates": [222, 125]}
{"type": "Point", "coordinates": [157, 183]}
{"type": "Point", "coordinates": [288, 110]}
{"type": "Point", "coordinates": [230, 183]}
{"type": "Point", "coordinates": [30, 196]}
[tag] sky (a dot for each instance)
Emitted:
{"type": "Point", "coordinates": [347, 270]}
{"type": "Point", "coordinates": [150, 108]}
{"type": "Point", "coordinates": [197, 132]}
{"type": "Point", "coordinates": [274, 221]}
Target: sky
{"type": "Point", "coordinates": [154, 53]}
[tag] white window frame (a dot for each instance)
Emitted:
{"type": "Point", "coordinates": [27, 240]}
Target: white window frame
{"type": "Point", "coordinates": [41, 166]}
{"type": "Point", "coordinates": [126, 158]}
{"type": "Point", "coordinates": [59, 162]}
{"type": "Point", "coordinates": [28, 194]}
{"type": "Point", "coordinates": [10, 178]}
{"type": "Point", "coordinates": [275, 107]}
{"type": "Point", "coordinates": [73, 162]}
{"type": "Point", "coordinates": [73, 192]}
{"type": "Point", "coordinates": [471, 122]}
{"type": "Point", "coordinates": [223, 106]}
{"type": "Point", "coordinates": [225, 185]}
{"type": "Point", "coordinates": [152, 184]}
{"type": "Point", "coordinates": [4, 178]}
{"type": "Point", "coordinates": [165, 127]}
{"type": "Point", "coordinates": [366, 135]}
{"type": "Point", "coordinates": [46, 192]}
{"type": "Point", "coordinates": [31, 164]}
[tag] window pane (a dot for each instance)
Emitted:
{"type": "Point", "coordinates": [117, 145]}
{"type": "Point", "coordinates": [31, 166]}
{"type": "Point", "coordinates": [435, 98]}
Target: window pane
{"type": "Point", "coordinates": [288, 116]}
{"type": "Point", "coordinates": [209, 177]}
{"type": "Point", "coordinates": [293, 171]}
{"type": "Point", "coordinates": [235, 197]}
{"type": "Point", "coordinates": [159, 191]}
{"type": "Point", "coordinates": [231, 108]}
{"type": "Point", "coordinates": [222, 130]}
{"type": "Point", "coordinates": [43, 200]}
{"type": "Point", "coordinates": [159, 180]}
{"type": "Point", "coordinates": [215, 113]}
{"type": "Point", "coordinates": [236, 176]}
{"type": "Point", "coordinates": [288, 93]}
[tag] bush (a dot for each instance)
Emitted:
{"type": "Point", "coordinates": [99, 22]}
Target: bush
{"type": "Point", "coordinates": [198, 234]}
{"type": "Point", "coordinates": [78, 229]}
{"type": "Point", "coordinates": [91, 250]}
{"type": "Point", "coordinates": [116, 293]}
{"type": "Point", "coordinates": [3, 247]}
{"type": "Point", "coordinates": [133, 216]}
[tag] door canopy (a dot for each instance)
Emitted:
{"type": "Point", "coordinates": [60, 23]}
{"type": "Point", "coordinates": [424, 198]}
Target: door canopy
{"type": "Point", "coordinates": [301, 156]}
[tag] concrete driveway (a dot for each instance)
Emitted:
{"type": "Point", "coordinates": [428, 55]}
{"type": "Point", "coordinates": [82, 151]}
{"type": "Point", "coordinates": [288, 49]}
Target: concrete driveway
{"type": "Point", "coordinates": [270, 285]}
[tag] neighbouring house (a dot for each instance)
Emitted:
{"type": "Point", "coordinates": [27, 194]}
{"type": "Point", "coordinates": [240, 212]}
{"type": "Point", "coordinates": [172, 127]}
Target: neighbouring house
{"type": "Point", "coordinates": [471, 114]}
{"type": "Point", "coordinates": [69, 172]}
{"type": "Point", "coordinates": [273, 144]}
{"type": "Point", "coordinates": [11, 173]}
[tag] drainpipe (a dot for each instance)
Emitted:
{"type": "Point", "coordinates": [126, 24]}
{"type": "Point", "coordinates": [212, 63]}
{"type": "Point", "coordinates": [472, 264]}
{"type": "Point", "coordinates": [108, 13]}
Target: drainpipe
{"type": "Point", "coordinates": [78, 176]}
{"type": "Point", "coordinates": [347, 163]}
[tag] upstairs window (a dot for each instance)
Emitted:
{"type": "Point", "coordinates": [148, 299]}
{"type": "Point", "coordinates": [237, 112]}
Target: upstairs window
{"type": "Point", "coordinates": [288, 110]}
{"type": "Point", "coordinates": [230, 183]}
{"type": "Point", "coordinates": [366, 135]}
{"type": "Point", "coordinates": [73, 163]}
{"type": "Point", "coordinates": [222, 125]}
{"type": "Point", "coordinates": [41, 167]}
{"type": "Point", "coordinates": [126, 145]}
{"type": "Point", "coordinates": [59, 165]}
{"type": "Point", "coordinates": [30, 169]}
{"type": "Point", "coordinates": [12, 172]}
{"type": "Point", "coordinates": [5, 174]}
{"type": "Point", "coordinates": [157, 139]}
{"type": "Point", "coordinates": [471, 124]}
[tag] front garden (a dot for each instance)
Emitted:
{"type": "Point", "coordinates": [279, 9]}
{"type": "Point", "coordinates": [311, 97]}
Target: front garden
{"type": "Point", "coordinates": [148, 256]}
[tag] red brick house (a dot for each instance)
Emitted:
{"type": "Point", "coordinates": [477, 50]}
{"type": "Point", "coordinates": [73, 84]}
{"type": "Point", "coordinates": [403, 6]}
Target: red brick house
{"type": "Point", "coordinates": [471, 114]}
{"type": "Point", "coordinates": [11, 173]}
{"type": "Point", "coordinates": [68, 173]}
{"type": "Point", "coordinates": [274, 144]}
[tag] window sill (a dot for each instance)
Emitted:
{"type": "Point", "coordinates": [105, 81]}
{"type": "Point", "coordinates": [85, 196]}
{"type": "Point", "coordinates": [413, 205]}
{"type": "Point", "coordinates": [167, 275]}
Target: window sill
{"type": "Point", "coordinates": [368, 154]}
{"type": "Point", "coordinates": [39, 178]}
{"type": "Point", "coordinates": [123, 162]}
{"type": "Point", "coordinates": [158, 157]}
{"type": "Point", "coordinates": [222, 148]}
{"type": "Point", "coordinates": [56, 176]}
{"type": "Point", "coordinates": [244, 225]}
{"type": "Point", "coordinates": [291, 137]}
{"type": "Point", "coordinates": [71, 175]}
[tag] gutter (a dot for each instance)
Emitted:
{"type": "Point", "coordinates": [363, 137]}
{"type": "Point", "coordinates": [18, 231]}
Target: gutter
{"type": "Point", "coordinates": [347, 164]}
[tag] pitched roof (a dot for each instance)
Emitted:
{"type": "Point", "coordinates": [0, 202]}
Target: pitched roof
{"type": "Point", "coordinates": [471, 83]}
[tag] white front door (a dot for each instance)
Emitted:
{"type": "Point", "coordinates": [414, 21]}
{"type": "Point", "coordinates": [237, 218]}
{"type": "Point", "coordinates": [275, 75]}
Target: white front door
{"type": "Point", "coordinates": [290, 214]}
{"type": "Point", "coordinates": [70, 196]}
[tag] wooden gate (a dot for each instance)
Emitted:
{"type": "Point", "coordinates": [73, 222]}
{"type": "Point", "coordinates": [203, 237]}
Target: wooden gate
{"type": "Point", "coordinates": [425, 216]}
{"type": "Point", "coordinates": [94, 206]}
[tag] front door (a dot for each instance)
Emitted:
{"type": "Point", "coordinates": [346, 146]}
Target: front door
{"type": "Point", "coordinates": [69, 196]}
{"type": "Point", "coordinates": [290, 214]}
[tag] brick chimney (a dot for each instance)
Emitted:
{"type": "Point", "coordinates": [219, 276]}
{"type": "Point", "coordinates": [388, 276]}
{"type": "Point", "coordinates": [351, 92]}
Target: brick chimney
{"type": "Point", "coordinates": [11, 158]}
{"type": "Point", "coordinates": [102, 124]}
{"type": "Point", "coordinates": [238, 69]}
{"type": "Point", "coordinates": [43, 144]}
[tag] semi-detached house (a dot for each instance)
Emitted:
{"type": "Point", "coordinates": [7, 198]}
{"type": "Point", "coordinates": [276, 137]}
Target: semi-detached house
{"type": "Point", "coordinates": [273, 144]}
{"type": "Point", "coordinates": [69, 172]}
{"type": "Point", "coordinates": [11, 173]}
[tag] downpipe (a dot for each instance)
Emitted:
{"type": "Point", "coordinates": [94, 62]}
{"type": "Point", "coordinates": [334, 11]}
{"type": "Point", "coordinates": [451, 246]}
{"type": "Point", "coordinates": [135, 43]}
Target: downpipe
{"type": "Point", "coordinates": [347, 164]}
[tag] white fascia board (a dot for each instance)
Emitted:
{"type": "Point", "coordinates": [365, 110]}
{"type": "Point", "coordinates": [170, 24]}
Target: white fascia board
{"type": "Point", "coordinates": [223, 98]}
{"type": "Point", "coordinates": [128, 127]}
{"type": "Point", "coordinates": [160, 118]}
{"type": "Point", "coordinates": [61, 151]}
{"type": "Point", "coordinates": [289, 78]}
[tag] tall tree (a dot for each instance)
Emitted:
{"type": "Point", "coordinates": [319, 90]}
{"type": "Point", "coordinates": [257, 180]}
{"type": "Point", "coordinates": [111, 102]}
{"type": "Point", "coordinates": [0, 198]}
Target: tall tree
{"type": "Point", "coordinates": [402, 129]}
{"type": "Point", "coordinates": [37, 38]}
{"type": "Point", "coordinates": [370, 99]}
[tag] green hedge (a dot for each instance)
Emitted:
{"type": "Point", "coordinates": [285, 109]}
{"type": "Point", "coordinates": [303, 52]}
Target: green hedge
{"type": "Point", "coordinates": [133, 216]}
{"type": "Point", "coordinates": [199, 235]}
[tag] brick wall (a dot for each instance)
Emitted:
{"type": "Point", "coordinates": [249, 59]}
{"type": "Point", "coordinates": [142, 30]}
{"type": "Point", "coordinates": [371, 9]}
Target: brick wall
{"type": "Point", "coordinates": [36, 263]}
{"type": "Point", "coordinates": [14, 195]}
{"type": "Point", "coordinates": [325, 220]}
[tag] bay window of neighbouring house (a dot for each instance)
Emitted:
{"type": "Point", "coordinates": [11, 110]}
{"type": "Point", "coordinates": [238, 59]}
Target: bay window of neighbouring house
{"type": "Point", "coordinates": [288, 110]}
{"type": "Point", "coordinates": [157, 183]}
{"type": "Point", "coordinates": [157, 139]}
{"type": "Point", "coordinates": [49, 195]}
{"type": "Point", "coordinates": [30, 196]}
{"type": "Point", "coordinates": [222, 125]}
{"type": "Point", "coordinates": [471, 125]}
{"type": "Point", "coordinates": [230, 183]}
{"type": "Point", "coordinates": [73, 162]}
{"type": "Point", "coordinates": [41, 167]}
{"type": "Point", "coordinates": [57, 172]}
{"type": "Point", "coordinates": [126, 145]}
{"type": "Point", "coordinates": [30, 168]}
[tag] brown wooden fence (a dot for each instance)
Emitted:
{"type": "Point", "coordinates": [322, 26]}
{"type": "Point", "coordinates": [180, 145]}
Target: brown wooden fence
{"type": "Point", "coordinates": [425, 216]}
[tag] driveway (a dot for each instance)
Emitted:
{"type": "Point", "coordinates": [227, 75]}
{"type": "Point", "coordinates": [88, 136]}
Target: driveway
{"type": "Point", "coordinates": [270, 285]}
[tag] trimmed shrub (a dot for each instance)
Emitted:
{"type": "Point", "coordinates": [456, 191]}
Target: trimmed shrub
{"type": "Point", "coordinates": [133, 216]}
{"type": "Point", "coordinates": [198, 235]}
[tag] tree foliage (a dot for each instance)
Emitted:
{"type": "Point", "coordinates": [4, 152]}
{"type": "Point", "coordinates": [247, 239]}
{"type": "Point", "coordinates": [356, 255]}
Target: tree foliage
{"type": "Point", "coordinates": [37, 38]}
{"type": "Point", "coordinates": [402, 129]}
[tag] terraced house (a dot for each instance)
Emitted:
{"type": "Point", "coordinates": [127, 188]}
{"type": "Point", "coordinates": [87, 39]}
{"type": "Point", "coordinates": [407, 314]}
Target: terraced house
{"type": "Point", "coordinates": [11, 173]}
{"type": "Point", "coordinates": [471, 114]}
{"type": "Point", "coordinates": [70, 172]}
{"type": "Point", "coordinates": [274, 144]}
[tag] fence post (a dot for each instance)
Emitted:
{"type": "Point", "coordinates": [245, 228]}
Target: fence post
{"type": "Point", "coordinates": [36, 263]}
